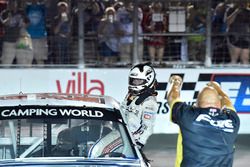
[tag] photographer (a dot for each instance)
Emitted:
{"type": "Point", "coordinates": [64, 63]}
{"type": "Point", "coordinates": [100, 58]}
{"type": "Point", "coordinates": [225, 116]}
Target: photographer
{"type": "Point", "coordinates": [108, 35]}
{"type": "Point", "coordinates": [62, 31]}
{"type": "Point", "coordinates": [125, 18]}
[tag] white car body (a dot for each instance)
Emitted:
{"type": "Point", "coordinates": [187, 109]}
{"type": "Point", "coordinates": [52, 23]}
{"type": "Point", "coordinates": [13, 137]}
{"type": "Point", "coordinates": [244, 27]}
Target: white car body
{"type": "Point", "coordinates": [51, 129]}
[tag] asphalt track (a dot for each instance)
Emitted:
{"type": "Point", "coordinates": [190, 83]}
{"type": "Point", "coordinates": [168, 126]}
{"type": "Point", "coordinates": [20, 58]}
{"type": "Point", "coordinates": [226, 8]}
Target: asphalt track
{"type": "Point", "coordinates": [161, 149]}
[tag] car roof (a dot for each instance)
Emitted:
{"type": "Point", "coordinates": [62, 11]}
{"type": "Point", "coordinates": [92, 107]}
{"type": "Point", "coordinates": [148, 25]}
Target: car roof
{"type": "Point", "coordinates": [59, 99]}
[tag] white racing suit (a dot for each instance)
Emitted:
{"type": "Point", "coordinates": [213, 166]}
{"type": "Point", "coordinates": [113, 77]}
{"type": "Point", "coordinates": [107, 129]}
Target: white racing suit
{"type": "Point", "coordinates": [112, 142]}
{"type": "Point", "coordinates": [140, 116]}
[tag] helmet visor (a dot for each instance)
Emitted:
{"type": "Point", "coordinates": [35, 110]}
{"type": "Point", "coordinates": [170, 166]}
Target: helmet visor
{"type": "Point", "coordinates": [137, 81]}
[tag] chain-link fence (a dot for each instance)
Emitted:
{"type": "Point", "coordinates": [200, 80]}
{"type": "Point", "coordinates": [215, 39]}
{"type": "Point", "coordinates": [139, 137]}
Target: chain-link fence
{"type": "Point", "coordinates": [102, 33]}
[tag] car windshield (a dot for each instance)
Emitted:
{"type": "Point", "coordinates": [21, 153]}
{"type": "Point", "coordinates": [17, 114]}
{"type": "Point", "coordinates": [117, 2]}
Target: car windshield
{"type": "Point", "coordinates": [64, 137]}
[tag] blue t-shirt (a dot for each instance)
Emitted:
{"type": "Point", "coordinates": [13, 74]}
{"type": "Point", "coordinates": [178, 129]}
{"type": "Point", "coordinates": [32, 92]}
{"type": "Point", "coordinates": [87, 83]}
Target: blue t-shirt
{"type": "Point", "coordinates": [36, 14]}
{"type": "Point", "coordinates": [208, 135]}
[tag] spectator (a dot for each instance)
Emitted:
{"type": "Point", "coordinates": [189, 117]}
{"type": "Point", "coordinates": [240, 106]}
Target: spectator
{"type": "Point", "coordinates": [218, 20]}
{"type": "Point", "coordinates": [108, 33]}
{"type": "Point", "coordinates": [62, 31]}
{"type": "Point", "coordinates": [24, 49]}
{"type": "Point", "coordinates": [196, 21]}
{"type": "Point", "coordinates": [12, 19]}
{"type": "Point", "coordinates": [208, 130]}
{"type": "Point", "coordinates": [36, 12]}
{"type": "Point", "coordinates": [156, 22]}
{"type": "Point", "coordinates": [219, 27]}
{"type": "Point", "coordinates": [146, 11]}
{"type": "Point", "coordinates": [238, 26]}
{"type": "Point", "coordinates": [92, 14]}
{"type": "Point", "coordinates": [125, 18]}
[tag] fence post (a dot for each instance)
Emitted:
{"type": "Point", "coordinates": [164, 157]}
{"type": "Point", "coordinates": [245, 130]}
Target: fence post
{"type": "Point", "coordinates": [81, 61]}
{"type": "Point", "coordinates": [135, 59]}
{"type": "Point", "coordinates": [208, 57]}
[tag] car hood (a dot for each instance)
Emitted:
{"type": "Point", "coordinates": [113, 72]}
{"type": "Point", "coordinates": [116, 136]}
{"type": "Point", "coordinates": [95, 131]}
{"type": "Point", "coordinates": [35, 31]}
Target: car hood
{"type": "Point", "coordinates": [71, 162]}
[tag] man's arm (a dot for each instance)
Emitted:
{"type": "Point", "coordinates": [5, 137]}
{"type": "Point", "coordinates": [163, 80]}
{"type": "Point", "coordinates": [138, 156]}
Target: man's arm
{"type": "Point", "coordinates": [175, 89]}
{"type": "Point", "coordinates": [225, 100]}
{"type": "Point", "coordinates": [230, 19]}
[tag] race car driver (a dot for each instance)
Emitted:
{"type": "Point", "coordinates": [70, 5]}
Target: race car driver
{"type": "Point", "coordinates": [208, 130]}
{"type": "Point", "coordinates": [140, 105]}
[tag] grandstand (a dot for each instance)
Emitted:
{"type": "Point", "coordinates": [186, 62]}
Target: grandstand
{"type": "Point", "coordinates": [193, 33]}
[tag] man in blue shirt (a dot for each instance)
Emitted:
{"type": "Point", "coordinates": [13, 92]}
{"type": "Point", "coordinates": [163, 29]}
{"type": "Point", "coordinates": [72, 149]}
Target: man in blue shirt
{"type": "Point", "coordinates": [36, 12]}
{"type": "Point", "coordinates": [208, 130]}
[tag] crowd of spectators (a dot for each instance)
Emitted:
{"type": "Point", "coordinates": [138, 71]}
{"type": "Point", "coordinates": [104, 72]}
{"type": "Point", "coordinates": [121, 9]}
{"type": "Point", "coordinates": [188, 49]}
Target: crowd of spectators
{"type": "Point", "coordinates": [28, 35]}
{"type": "Point", "coordinates": [232, 20]}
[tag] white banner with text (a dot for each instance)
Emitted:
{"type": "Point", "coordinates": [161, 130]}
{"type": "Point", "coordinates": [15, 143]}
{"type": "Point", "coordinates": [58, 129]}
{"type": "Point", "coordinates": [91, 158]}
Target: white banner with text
{"type": "Point", "coordinates": [114, 83]}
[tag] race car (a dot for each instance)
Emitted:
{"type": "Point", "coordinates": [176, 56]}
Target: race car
{"type": "Point", "coordinates": [51, 129]}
